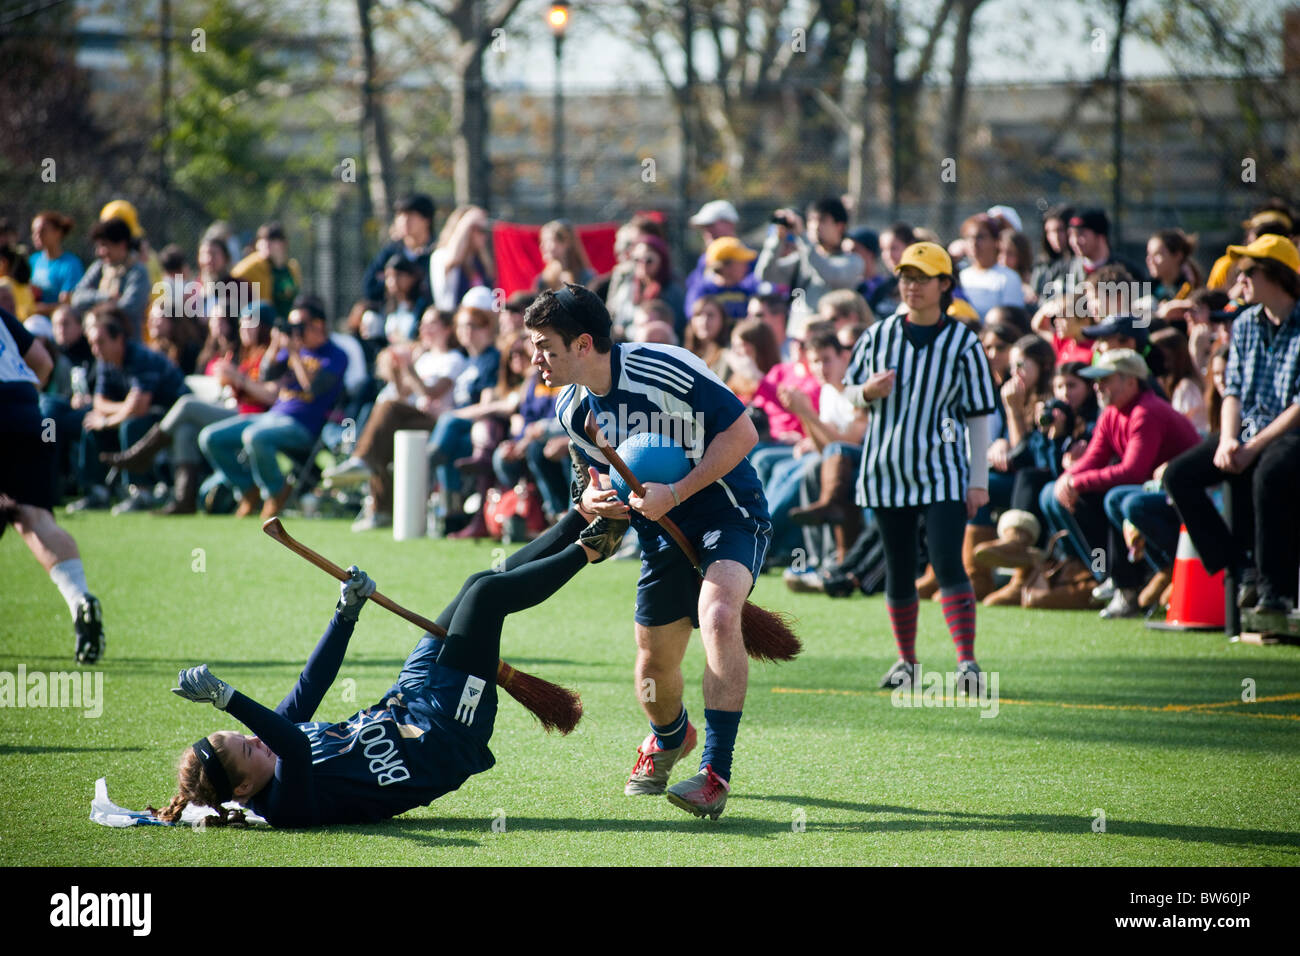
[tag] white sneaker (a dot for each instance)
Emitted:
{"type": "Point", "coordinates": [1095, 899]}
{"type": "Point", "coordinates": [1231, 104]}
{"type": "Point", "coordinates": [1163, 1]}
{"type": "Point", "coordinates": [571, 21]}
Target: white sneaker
{"type": "Point", "coordinates": [351, 471]}
{"type": "Point", "coordinates": [1104, 591]}
{"type": "Point", "coordinates": [370, 521]}
{"type": "Point", "coordinates": [1123, 604]}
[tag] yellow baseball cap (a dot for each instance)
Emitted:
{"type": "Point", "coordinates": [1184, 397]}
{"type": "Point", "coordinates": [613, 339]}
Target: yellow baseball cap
{"type": "Point", "coordinates": [121, 209]}
{"type": "Point", "coordinates": [728, 249]}
{"type": "Point", "coordinates": [962, 311]}
{"type": "Point", "coordinates": [1279, 248]}
{"type": "Point", "coordinates": [929, 257]}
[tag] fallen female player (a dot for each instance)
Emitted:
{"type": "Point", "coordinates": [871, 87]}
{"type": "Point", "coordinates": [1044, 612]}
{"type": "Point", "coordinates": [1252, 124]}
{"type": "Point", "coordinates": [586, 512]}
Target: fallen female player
{"type": "Point", "coordinates": [426, 736]}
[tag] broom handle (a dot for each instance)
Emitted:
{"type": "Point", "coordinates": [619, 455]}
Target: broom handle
{"type": "Point", "coordinates": [618, 464]}
{"type": "Point", "coordinates": [275, 529]}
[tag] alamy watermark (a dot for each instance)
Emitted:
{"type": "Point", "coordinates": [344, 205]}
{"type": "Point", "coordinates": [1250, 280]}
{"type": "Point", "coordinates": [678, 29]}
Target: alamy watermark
{"type": "Point", "coordinates": [83, 690]}
{"type": "Point", "coordinates": [936, 689]}
{"type": "Point", "coordinates": [680, 428]}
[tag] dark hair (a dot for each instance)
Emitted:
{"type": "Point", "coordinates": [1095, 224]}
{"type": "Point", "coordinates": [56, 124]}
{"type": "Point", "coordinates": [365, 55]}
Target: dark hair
{"type": "Point", "coordinates": [1040, 352]}
{"type": "Point", "coordinates": [19, 269]}
{"type": "Point", "coordinates": [767, 351]}
{"type": "Point", "coordinates": [172, 259]}
{"type": "Point", "coordinates": [507, 379]}
{"type": "Point", "coordinates": [311, 304]}
{"type": "Point", "coordinates": [1008, 335]}
{"type": "Point", "coordinates": [774, 302]}
{"type": "Point", "coordinates": [1024, 254]}
{"type": "Point", "coordinates": [110, 230]}
{"type": "Point", "coordinates": [194, 787]}
{"type": "Point", "coordinates": [1012, 315]}
{"type": "Point", "coordinates": [1063, 212]}
{"type": "Point", "coordinates": [983, 222]}
{"type": "Point", "coordinates": [57, 219]}
{"type": "Point", "coordinates": [1282, 276]}
{"type": "Point", "coordinates": [585, 314]}
{"type": "Point", "coordinates": [111, 320]}
{"type": "Point", "coordinates": [213, 242]}
{"type": "Point", "coordinates": [418, 203]}
{"type": "Point", "coordinates": [1089, 410]}
{"type": "Point", "coordinates": [830, 207]}
{"type": "Point", "coordinates": [902, 230]}
{"type": "Point", "coordinates": [1178, 363]}
{"type": "Point", "coordinates": [1216, 300]}
{"type": "Point", "coordinates": [271, 230]}
{"type": "Point", "coordinates": [723, 337]}
{"type": "Point", "coordinates": [824, 340]}
{"type": "Point", "coordinates": [1213, 400]}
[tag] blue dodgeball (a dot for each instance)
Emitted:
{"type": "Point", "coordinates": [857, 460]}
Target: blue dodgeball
{"type": "Point", "coordinates": [651, 457]}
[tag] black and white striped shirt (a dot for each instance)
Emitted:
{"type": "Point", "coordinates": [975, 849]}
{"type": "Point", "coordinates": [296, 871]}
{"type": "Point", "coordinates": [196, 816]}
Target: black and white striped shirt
{"type": "Point", "coordinates": [915, 448]}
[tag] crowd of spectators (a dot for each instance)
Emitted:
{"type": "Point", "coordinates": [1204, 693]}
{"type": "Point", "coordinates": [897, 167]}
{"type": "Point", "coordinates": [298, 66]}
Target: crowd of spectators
{"type": "Point", "coordinates": [1126, 389]}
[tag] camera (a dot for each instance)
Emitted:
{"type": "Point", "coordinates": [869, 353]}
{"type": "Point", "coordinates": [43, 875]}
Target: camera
{"type": "Point", "coordinates": [782, 221]}
{"type": "Point", "coordinates": [1045, 419]}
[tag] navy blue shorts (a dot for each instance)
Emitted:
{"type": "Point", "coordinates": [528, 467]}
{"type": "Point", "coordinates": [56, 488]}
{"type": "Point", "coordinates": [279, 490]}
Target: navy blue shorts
{"type": "Point", "coordinates": [669, 587]}
{"type": "Point", "coordinates": [438, 694]}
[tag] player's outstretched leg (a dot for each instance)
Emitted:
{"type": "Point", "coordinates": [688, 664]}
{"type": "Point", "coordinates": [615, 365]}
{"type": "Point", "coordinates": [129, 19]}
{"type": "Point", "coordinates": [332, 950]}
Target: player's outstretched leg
{"type": "Point", "coordinates": [58, 554]}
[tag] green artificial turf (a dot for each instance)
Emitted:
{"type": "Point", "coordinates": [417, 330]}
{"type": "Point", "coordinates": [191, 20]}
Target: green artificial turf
{"type": "Point", "coordinates": [1094, 718]}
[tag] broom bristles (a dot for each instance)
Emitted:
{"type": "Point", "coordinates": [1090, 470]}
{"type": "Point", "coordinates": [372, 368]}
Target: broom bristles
{"type": "Point", "coordinates": [554, 706]}
{"type": "Point", "coordinates": [767, 634]}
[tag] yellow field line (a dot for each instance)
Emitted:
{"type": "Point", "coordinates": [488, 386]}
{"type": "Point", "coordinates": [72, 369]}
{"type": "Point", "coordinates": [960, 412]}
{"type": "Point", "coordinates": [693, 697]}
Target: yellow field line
{"type": "Point", "coordinates": [1146, 708]}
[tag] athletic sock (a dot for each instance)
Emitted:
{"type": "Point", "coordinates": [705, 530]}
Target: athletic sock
{"type": "Point", "coordinates": [959, 614]}
{"type": "Point", "coordinates": [70, 578]}
{"type": "Point", "coordinates": [672, 734]}
{"type": "Point", "coordinates": [720, 728]}
{"type": "Point", "coordinates": [902, 619]}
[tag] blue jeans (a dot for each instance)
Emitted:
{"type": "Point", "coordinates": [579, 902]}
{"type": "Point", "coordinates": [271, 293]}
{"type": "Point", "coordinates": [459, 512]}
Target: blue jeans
{"type": "Point", "coordinates": [450, 441]}
{"type": "Point", "coordinates": [90, 470]}
{"type": "Point", "coordinates": [260, 437]}
{"type": "Point", "coordinates": [782, 490]}
{"type": "Point", "coordinates": [764, 457]}
{"type": "Point", "coordinates": [1152, 514]}
{"type": "Point", "coordinates": [1090, 531]}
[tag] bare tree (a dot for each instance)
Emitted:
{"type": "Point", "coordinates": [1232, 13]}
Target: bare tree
{"type": "Point", "coordinates": [476, 24]}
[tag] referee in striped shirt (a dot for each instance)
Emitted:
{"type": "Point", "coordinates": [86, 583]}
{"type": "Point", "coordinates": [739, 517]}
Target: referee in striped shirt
{"type": "Point", "coordinates": [927, 385]}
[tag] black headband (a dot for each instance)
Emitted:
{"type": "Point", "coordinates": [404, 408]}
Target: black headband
{"type": "Point", "coordinates": [207, 755]}
{"type": "Point", "coordinates": [569, 305]}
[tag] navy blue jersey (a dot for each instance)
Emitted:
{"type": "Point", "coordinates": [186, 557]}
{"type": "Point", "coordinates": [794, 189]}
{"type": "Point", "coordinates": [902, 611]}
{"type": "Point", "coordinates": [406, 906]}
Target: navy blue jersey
{"type": "Point", "coordinates": [378, 763]}
{"type": "Point", "coordinates": [669, 391]}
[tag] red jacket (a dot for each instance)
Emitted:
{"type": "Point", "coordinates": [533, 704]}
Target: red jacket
{"type": "Point", "coordinates": [1144, 434]}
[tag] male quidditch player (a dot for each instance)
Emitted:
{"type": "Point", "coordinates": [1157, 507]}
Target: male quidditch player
{"type": "Point", "coordinates": [719, 506]}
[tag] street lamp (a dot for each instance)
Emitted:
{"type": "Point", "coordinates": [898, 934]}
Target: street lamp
{"type": "Point", "coordinates": [557, 18]}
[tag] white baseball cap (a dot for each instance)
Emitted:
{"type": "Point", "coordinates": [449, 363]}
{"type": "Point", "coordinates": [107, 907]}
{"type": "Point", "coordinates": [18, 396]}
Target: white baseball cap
{"type": "Point", "coordinates": [479, 297]}
{"type": "Point", "coordinates": [1010, 215]}
{"type": "Point", "coordinates": [711, 212]}
{"type": "Point", "coordinates": [40, 326]}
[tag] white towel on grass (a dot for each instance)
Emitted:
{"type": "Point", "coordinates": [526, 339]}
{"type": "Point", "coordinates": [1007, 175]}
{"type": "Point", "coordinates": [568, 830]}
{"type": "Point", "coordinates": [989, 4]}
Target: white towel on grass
{"type": "Point", "coordinates": [107, 813]}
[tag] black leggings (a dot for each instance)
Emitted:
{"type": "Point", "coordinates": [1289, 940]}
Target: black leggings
{"type": "Point", "coordinates": [473, 620]}
{"type": "Point", "coordinates": [945, 530]}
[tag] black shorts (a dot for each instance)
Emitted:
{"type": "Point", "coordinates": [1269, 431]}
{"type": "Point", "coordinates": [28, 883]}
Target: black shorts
{"type": "Point", "coordinates": [29, 465]}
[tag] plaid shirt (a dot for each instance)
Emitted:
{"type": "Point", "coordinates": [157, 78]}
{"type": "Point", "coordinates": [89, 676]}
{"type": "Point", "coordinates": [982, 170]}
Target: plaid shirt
{"type": "Point", "coordinates": [1264, 374]}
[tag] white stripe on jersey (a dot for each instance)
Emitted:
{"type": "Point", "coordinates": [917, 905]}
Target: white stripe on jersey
{"type": "Point", "coordinates": [915, 450]}
{"type": "Point", "coordinates": [661, 371]}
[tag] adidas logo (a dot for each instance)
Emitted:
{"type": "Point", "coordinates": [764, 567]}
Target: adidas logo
{"type": "Point", "coordinates": [471, 691]}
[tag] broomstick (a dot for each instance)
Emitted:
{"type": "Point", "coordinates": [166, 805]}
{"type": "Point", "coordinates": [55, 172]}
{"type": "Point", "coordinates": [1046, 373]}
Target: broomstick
{"type": "Point", "coordinates": [556, 708]}
{"type": "Point", "coordinates": [767, 635]}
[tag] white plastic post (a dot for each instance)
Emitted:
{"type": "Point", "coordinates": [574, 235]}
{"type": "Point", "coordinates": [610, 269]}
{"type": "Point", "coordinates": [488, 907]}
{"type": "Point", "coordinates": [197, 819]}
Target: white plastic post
{"type": "Point", "coordinates": [410, 484]}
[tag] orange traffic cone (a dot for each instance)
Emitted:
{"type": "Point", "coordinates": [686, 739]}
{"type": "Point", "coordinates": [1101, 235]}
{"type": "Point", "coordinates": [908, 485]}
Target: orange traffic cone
{"type": "Point", "coordinates": [1197, 601]}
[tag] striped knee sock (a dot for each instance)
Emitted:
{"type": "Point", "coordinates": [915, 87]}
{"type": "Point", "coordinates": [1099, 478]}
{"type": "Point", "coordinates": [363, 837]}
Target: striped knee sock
{"type": "Point", "coordinates": [959, 614]}
{"type": "Point", "coordinates": [902, 619]}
